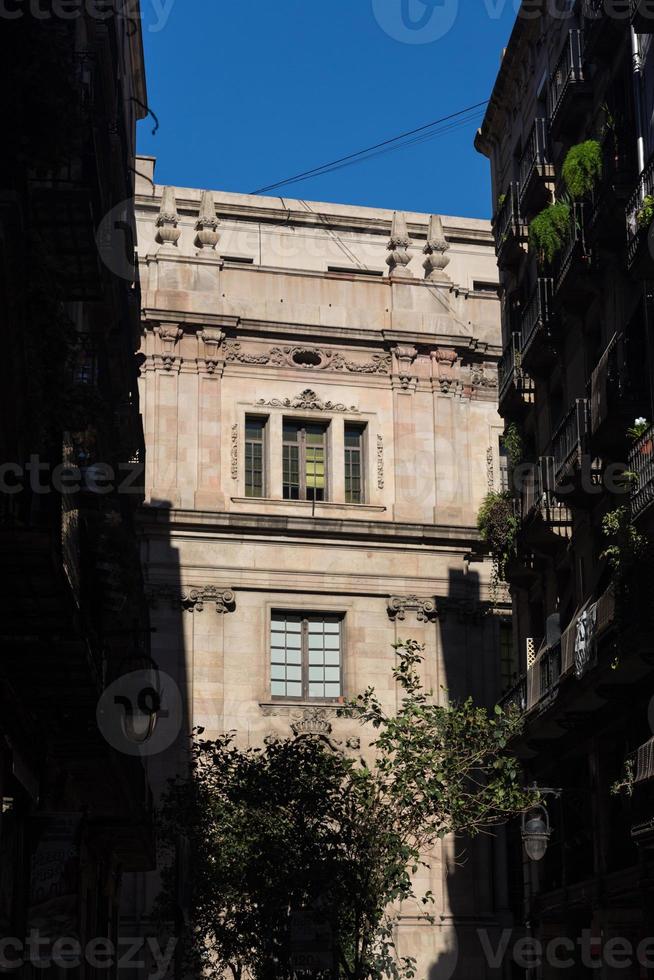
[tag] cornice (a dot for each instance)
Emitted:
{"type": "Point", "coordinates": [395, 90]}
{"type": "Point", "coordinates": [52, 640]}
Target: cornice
{"type": "Point", "coordinates": [188, 207]}
{"type": "Point", "coordinates": [165, 520]}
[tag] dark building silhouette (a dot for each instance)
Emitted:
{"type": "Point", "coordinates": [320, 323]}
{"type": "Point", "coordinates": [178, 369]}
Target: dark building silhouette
{"type": "Point", "coordinates": [570, 122]}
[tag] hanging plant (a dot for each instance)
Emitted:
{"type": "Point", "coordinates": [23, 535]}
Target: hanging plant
{"type": "Point", "coordinates": [513, 443]}
{"type": "Point", "coordinates": [498, 526]}
{"type": "Point", "coordinates": [638, 429]}
{"type": "Point", "coordinates": [549, 230]}
{"type": "Point", "coordinates": [582, 168]}
{"type": "Point", "coordinates": [645, 213]}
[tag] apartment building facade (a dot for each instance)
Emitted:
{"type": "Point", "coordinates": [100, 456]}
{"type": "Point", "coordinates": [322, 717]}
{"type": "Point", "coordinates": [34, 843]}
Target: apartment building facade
{"type": "Point", "coordinates": [319, 389]}
{"type": "Point", "coordinates": [574, 93]}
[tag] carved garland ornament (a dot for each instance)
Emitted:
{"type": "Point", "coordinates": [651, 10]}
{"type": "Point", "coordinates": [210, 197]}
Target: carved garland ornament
{"type": "Point", "coordinates": [380, 462]}
{"type": "Point", "coordinates": [307, 399]}
{"type": "Point", "coordinates": [234, 452]}
{"type": "Point", "coordinates": [311, 358]}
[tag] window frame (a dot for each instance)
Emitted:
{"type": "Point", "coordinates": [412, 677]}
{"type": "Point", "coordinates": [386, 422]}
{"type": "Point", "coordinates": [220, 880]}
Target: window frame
{"type": "Point", "coordinates": [305, 615]}
{"type": "Point", "coordinates": [362, 428]}
{"type": "Point", "coordinates": [301, 444]}
{"type": "Point", "coordinates": [264, 419]}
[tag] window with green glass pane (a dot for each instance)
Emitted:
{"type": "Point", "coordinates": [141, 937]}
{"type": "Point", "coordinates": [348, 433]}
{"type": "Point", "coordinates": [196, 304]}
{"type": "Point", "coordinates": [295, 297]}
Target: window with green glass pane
{"type": "Point", "coordinates": [306, 656]}
{"type": "Point", "coordinates": [304, 460]}
{"type": "Point", "coordinates": [354, 464]}
{"type": "Point", "coordinates": [255, 434]}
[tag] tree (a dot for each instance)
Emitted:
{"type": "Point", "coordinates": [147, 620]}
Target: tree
{"type": "Point", "coordinates": [295, 826]}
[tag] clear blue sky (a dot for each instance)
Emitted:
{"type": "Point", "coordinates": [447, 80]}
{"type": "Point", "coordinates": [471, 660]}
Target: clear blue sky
{"type": "Point", "coordinates": [252, 91]}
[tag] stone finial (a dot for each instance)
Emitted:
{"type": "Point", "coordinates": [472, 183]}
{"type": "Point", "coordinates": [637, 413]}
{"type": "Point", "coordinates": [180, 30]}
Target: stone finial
{"type": "Point", "coordinates": [398, 244]}
{"type": "Point", "coordinates": [437, 245]}
{"type": "Point", "coordinates": [207, 224]}
{"type": "Point", "coordinates": [167, 220]}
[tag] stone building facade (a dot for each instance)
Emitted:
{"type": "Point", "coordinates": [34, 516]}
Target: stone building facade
{"type": "Point", "coordinates": [319, 387]}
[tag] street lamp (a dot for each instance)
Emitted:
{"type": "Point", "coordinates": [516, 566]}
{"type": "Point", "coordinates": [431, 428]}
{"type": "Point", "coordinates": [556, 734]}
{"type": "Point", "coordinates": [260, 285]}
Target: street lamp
{"type": "Point", "coordinates": [536, 827]}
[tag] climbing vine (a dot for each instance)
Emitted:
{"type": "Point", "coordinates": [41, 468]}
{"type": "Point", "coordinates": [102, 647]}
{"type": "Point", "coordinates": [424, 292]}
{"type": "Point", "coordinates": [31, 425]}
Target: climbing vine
{"type": "Point", "coordinates": [498, 526]}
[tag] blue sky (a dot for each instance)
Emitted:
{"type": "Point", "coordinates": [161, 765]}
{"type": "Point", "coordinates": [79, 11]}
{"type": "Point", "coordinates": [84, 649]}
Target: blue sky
{"type": "Point", "coordinates": [249, 92]}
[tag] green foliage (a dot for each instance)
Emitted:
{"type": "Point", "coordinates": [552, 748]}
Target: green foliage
{"type": "Point", "coordinates": [645, 213]}
{"type": "Point", "coordinates": [498, 526]}
{"type": "Point", "coordinates": [293, 826]}
{"type": "Point", "coordinates": [549, 230]}
{"type": "Point", "coordinates": [627, 545]}
{"type": "Point", "coordinates": [501, 199]}
{"type": "Point", "coordinates": [513, 443]}
{"type": "Point", "coordinates": [582, 168]}
{"type": "Point", "coordinates": [625, 785]}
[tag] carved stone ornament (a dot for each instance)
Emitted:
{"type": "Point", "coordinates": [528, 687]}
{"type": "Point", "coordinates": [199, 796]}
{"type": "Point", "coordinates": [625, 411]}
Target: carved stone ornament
{"type": "Point", "coordinates": [307, 358]}
{"type": "Point", "coordinates": [380, 462]}
{"type": "Point", "coordinates": [206, 226]}
{"type": "Point", "coordinates": [480, 379]}
{"type": "Point", "coordinates": [310, 721]}
{"type": "Point", "coordinates": [399, 242]}
{"type": "Point", "coordinates": [425, 609]}
{"type": "Point", "coordinates": [167, 220]}
{"type": "Point", "coordinates": [234, 452]}
{"type": "Point", "coordinates": [169, 335]}
{"type": "Point", "coordinates": [435, 250]}
{"type": "Point", "coordinates": [193, 599]}
{"type": "Point", "coordinates": [307, 400]}
{"type": "Point", "coordinates": [444, 361]}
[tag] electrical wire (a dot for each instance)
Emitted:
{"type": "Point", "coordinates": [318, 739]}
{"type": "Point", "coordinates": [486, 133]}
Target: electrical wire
{"type": "Point", "coordinates": [419, 134]}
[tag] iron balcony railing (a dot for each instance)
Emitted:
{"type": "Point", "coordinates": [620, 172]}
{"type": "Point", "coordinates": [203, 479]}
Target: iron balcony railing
{"type": "Point", "coordinates": [570, 439]}
{"type": "Point", "coordinates": [532, 490]}
{"type": "Point", "coordinates": [549, 664]}
{"type": "Point", "coordinates": [509, 363]}
{"type": "Point", "coordinates": [638, 215]}
{"type": "Point", "coordinates": [536, 155]}
{"type": "Point", "coordinates": [569, 70]}
{"type": "Point", "coordinates": [575, 244]}
{"type": "Point", "coordinates": [506, 222]}
{"type": "Point", "coordinates": [515, 697]}
{"type": "Point", "coordinates": [641, 463]}
{"type": "Point", "coordinates": [536, 314]}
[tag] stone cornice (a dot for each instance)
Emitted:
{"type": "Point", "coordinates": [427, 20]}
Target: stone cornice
{"type": "Point", "coordinates": [244, 327]}
{"type": "Point", "coordinates": [260, 525]}
{"type": "Point", "coordinates": [323, 219]}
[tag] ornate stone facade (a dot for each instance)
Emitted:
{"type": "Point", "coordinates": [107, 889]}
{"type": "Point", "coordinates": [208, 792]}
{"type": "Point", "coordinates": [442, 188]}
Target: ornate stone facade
{"type": "Point", "coordinates": [390, 371]}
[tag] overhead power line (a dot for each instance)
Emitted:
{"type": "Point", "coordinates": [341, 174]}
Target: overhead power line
{"type": "Point", "coordinates": [418, 135]}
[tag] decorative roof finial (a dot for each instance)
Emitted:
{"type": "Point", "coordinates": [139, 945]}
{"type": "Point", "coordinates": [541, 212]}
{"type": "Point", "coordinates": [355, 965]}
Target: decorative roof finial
{"type": "Point", "coordinates": [167, 220]}
{"type": "Point", "coordinates": [207, 224]}
{"type": "Point", "coordinates": [398, 244]}
{"type": "Point", "coordinates": [437, 245]}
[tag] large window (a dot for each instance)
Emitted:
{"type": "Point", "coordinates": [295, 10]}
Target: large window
{"type": "Point", "coordinates": [304, 461]}
{"type": "Point", "coordinates": [255, 431]}
{"type": "Point", "coordinates": [305, 656]}
{"type": "Point", "coordinates": [354, 464]}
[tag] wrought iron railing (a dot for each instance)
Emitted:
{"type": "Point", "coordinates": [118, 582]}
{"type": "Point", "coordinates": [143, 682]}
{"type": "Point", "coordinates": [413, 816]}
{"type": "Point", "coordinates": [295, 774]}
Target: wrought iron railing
{"type": "Point", "coordinates": [509, 364]}
{"type": "Point", "coordinates": [549, 665]}
{"type": "Point", "coordinates": [569, 70]}
{"type": "Point", "coordinates": [575, 244]}
{"type": "Point", "coordinates": [570, 438]}
{"type": "Point", "coordinates": [536, 313]}
{"type": "Point", "coordinates": [536, 154]}
{"type": "Point", "coordinates": [638, 211]}
{"type": "Point", "coordinates": [507, 220]}
{"type": "Point", "coordinates": [641, 464]}
{"type": "Point", "coordinates": [515, 697]}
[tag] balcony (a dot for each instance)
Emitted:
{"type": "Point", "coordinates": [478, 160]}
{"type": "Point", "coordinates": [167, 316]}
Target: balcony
{"type": "Point", "coordinates": [604, 25]}
{"type": "Point", "coordinates": [509, 230]}
{"type": "Point", "coordinates": [616, 397]}
{"type": "Point", "coordinates": [516, 389]}
{"type": "Point", "coordinates": [543, 676]}
{"type": "Point", "coordinates": [570, 90]}
{"type": "Point", "coordinates": [572, 281]}
{"type": "Point", "coordinates": [536, 169]}
{"type": "Point", "coordinates": [642, 16]}
{"type": "Point", "coordinates": [545, 521]}
{"type": "Point", "coordinates": [536, 324]}
{"type": "Point", "coordinates": [639, 213]}
{"type": "Point", "coordinates": [605, 221]}
{"type": "Point", "coordinates": [641, 462]}
{"type": "Point", "coordinates": [515, 698]}
{"type": "Point", "coordinates": [642, 803]}
{"type": "Point", "coordinates": [574, 478]}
